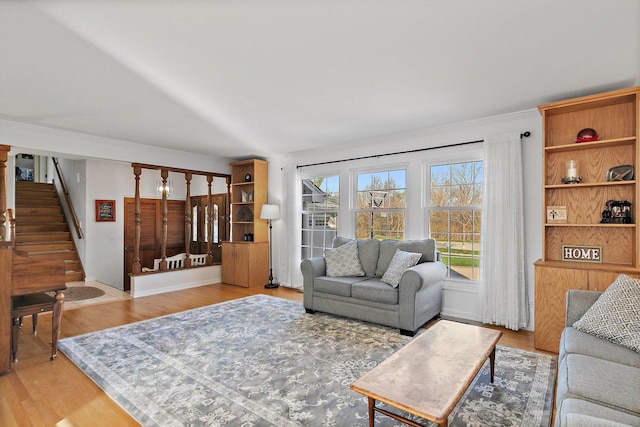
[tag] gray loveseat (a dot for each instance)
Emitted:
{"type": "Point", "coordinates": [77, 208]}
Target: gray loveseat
{"type": "Point", "coordinates": [598, 381]}
{"type": "Point", "coordinates": [416, 299]}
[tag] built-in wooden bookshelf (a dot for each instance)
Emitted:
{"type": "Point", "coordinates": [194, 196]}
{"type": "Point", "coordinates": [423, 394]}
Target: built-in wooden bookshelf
{"type": "Point", "coordinates": [245, 258]}
{"type": "Point", "coordinates": [614, 115]}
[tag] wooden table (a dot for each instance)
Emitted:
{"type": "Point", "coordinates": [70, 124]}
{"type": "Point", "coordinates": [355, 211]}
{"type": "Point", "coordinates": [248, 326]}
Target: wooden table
{"type": "Point", "coordinates": [428, 376]}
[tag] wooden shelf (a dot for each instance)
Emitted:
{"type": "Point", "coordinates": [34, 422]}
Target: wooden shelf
{"type": "Point", "coordinates": [577, 146]}
{"type": "Point", "coordinates": [589, 184]}
{"type": "Point", "coordinates": [590, 225]}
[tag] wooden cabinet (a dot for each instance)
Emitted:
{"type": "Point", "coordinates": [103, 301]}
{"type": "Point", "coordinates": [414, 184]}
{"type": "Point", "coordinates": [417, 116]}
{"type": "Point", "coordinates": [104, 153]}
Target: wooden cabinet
{"type": "Point", "coordinates": [245, 258]}
{"type": "Point", "coordinates": [245, 263]}
{"type": "Point", "coordinates": [614, 116]}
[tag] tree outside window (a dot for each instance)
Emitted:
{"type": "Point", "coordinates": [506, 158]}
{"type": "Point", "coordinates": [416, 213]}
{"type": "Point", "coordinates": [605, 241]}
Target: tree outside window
{"type": "Point", "coordinates": [381, 204]}
{"type": "Point", "coordinates": [320, 207]}
{"type": "Point", "coordinates": [455, 216]}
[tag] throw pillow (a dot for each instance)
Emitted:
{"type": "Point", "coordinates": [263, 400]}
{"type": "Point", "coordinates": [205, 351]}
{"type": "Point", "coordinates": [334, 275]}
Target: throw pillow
{"type": "Point", "coordinates": [400, 262]}
{"type": "Point", "coordinates": [343, 261]}
{"type": "Point", "coordinates": [615, 316]}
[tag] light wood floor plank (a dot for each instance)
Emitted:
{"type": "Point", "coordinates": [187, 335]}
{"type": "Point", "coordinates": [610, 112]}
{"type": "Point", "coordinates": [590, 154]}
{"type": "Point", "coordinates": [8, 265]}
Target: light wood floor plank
{"type": "Point", "coordinates": [42, 393]}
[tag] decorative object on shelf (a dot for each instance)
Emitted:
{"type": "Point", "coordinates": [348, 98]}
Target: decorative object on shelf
{"type": "Point", "coordinates": [587, 135]}
{"type": "Point", "coordinates": [617, 212]}
{"type": "Point", "coordinates": [581, 253]}
{"type": "Point", "coordinates": [245, 215]}
{"type": "Point", "coordinates": [620, 173]}
{"type": "Point", "coordinates": [572, 173]}
{"type": "Point", "coordinates": [105, 210]}
{"type": "Point", "coordinates": [247, 196]}
{"type": "Point", "coordinates": [247, 177]}
{"type": "Point", "coordinates": [248, 237]}
{"type": "Point", "coordinates": [270, 212]}
{"type": "Point", "coordinates": [164, 188]}
{"type": "Point", "coordinates": [556, 214]}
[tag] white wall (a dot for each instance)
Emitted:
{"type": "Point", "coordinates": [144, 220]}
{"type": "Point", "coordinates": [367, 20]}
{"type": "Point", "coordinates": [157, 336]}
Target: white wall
{"type": "Point", "coordinates": [460, 299]}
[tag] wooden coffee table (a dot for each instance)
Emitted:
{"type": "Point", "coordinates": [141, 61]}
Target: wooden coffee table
{"type": "Point", "coordinates": [428, 376]}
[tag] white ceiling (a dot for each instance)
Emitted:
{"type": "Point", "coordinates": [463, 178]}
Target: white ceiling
{"type": "Point", "coordinates": [259, 77]}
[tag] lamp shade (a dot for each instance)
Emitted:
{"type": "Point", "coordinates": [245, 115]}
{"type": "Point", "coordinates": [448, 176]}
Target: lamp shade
{"type": "Point", "coordinates": [270, 212]}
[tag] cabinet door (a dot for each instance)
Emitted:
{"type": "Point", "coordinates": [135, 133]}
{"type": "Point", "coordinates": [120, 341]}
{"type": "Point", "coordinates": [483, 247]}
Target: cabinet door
{"type": "Point", "coordinates": [552, 285]}
{"type": "Point", "coordinates": [241, 269]}
{"type": "Point", "coordinates": [228, 263]}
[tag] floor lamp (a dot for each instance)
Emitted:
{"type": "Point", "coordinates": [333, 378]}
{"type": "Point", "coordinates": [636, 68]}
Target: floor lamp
{"type": "Point", "coordinates": [270, 212]}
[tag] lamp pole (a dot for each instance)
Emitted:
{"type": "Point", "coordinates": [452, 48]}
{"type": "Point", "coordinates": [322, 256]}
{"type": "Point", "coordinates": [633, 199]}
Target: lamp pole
{"type": "Point", "coordinates": [270, 285]}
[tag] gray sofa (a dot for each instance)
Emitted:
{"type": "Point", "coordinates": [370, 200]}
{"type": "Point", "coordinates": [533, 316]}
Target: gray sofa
{"type": "Point", "coordinates": [416, 299]}
{"type": "Point", "coordinates": [598, 381]}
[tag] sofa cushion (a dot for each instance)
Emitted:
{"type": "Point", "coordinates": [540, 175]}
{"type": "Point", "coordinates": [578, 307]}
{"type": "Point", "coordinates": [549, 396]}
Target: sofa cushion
{"type": "Point", "coordinates": [368, 250]}
{"type": "Point", "coordinates": [568, 408]}
{"type": "Point", "coordinates": [400, 262]}
{"type": "Point", "coordinates": [615, 316]}
{"type": "Point", "coordinates": [335, 285]}
{"type": "Point", "coordinates": [574, 341]}
{"type": "Point", "coordinates": [343, 261]}
{"type": "Point", "coordinates": [387, 251]}
{"type": "Point", "coordinates": [375, 291]}
{"type": "Point", "coordinates": [607, 383]}
{"type": "Point", "coordinates": [427, 247]}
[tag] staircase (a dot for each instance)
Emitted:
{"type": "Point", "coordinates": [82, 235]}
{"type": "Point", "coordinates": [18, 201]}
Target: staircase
{"type": "Point", "coordinates": [41, 228]}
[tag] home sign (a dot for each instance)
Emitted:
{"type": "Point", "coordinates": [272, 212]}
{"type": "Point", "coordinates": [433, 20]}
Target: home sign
{"type": "Point", "coordinates": [582, 253]}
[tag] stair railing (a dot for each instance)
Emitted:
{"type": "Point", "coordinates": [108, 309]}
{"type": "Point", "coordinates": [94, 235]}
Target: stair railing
{"type": "Point", "coordinates": [67, 199]}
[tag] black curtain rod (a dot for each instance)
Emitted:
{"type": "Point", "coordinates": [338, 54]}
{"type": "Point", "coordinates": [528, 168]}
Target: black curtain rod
{"type": "Point", "coordinates": [523, 134]}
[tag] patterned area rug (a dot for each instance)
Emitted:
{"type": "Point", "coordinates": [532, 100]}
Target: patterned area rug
{"type": "Point", "coordinates": [261, 361]}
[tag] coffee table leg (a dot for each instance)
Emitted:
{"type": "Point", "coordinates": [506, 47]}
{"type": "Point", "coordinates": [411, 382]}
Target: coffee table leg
{"type": "Point", "coordinates": [492, 362]}
{"type": "Point", "coordinates": [372, 404]}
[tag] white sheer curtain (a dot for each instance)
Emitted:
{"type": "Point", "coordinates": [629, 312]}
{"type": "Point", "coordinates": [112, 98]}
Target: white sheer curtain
{"type": "Point", "coordinates": [502, 269]}
{"type": "Point", "coordinates": [289, 266]}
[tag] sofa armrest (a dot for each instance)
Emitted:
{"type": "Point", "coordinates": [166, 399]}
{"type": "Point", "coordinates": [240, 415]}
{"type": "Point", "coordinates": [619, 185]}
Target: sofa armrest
{"type": "Point", "coordinates": [578, 302]}
{"type": "Point", "coordinates": [311, 267]}
{"type": "Point", "coordinates": [422, 275]}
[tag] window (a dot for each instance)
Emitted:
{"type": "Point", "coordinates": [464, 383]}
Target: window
{"type": "Point", "coordinates": [381, 204]}
{"type": "Point", "coordinates": [455, 216]}
{"type": "Point", "coordinates": [320, 206]}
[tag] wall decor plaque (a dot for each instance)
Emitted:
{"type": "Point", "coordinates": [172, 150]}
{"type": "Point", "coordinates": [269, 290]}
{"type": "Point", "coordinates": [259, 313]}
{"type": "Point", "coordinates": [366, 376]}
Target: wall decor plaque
{"type": "Point", "coordinates": [582, 253]}
{"type": "Point", "coordinates": [556, 214]}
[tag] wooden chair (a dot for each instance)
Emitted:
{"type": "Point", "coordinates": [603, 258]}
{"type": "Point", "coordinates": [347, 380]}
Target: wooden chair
{"type": "Point", "coordinates": [31, 305]}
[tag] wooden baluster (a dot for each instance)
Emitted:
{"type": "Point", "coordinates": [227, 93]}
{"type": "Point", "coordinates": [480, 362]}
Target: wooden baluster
{"type": "Point", "coordinates": [137, 267]}
{"type": "Point", "coordinates": [164, 173]}
{"type": "Point", "coordinates": [187, 221]}
{"type": "Point", "coordinates": [209, 221]}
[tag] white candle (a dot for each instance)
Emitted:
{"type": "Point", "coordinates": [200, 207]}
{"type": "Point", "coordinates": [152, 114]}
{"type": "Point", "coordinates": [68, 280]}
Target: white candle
{"type": "Point", "coordinates": [572, 169]}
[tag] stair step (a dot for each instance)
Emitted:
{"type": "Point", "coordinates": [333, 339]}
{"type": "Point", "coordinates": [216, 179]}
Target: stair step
{"type": "Point", "coordinates": [44, 247]}
{"type": "Point", "coordinates": [22, 211]}
{"type": "Point", "coordinates": [39, 186]}
{"type": "Point", "coordinates": [37, 219]}
{"type": "Point", "coordinates": [46, 236]}
{"type": "Point", "coordinates": [64, 255]}
{"type": "Point", "coordinates": [74, 276]}
{"type": "Point", "coordinates": [35, 227]}
{"type": "Point", "coordinates": [21, 200]}
{"type": "Point", "coordinates": [36, 194]}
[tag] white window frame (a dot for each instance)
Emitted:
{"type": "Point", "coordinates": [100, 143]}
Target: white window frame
{"type": "Point", "coordinates": [471, 154]}
{"type": "Point", "coordinates": [354, 192]}
{"type": "Point", "coordinates": [327, 242]}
